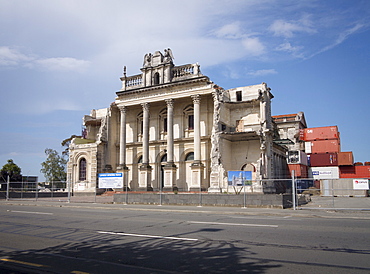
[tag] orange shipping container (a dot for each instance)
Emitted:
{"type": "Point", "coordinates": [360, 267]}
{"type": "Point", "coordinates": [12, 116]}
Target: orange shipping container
{"type": "Point", "coordinates": [299, 170]}
{"type": "Point", "coordinates": [354, 172]}
{"type": "Point", "coordinates": [345, 158]}
{"type": "Point", "coordinates": [324, 146]}
{"type": "Point", "coordinates": [321, 133]}
{"type": "Point", "coordinates": [324, 159]}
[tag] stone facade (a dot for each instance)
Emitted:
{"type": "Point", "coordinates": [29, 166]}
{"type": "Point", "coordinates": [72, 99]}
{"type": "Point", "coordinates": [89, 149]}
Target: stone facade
{"type": "Point", "coordinates": [172, 128]}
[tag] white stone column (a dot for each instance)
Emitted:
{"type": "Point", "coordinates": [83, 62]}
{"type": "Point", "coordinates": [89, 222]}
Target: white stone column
{"type": "Point", "coordinates": [145, 168]}
{"type": "Point", "coordinates": [197, 166]}
{"type": "Point", "coordinates": [196, 101]}
{"type": "Point", "coordinates": [170, 167]}
{"type": "Point", "coordinates": [145, 133]}
{"type": "Point", "coordinates": [122, 149]}
{"type": "Point", "coordinates": [170, 131]}
{"type": "Point", "coordinates": [122, 137]}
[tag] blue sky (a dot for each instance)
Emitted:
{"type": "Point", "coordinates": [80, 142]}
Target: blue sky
{"type": "Point", "coordinates": [60, 59]}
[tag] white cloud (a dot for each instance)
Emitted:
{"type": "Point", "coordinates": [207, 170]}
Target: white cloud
{"type": "Point", "coordinates": [63, 64]}
{"type": "Point", "coordinates": [287, 47]}
{"type": "Point", "coordinates": [12, 57]}
{"type": "Point", "coordinates": [341, 38]}
{"type": "Point", "coordinates": [289, 28]}
{"type": "Point", "coordinates": [253, 46]}
{"type": "Point", "coordinates": [262, 72]}
{"type": "Point", "coordinates": [229, 31]}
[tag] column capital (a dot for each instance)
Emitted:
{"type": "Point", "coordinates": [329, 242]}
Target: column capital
{"type": "Point", "coordinates": [122, 109]}
{"type": "Point", "coordinates": [196, 98]}
{"type": "Point", "coordinates": [169, 102]}
{"type": "Point", "coordinates": [145, 106]}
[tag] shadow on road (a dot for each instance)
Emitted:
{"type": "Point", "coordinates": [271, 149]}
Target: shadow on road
{"type": "Point", "coordinates": [117, 254]}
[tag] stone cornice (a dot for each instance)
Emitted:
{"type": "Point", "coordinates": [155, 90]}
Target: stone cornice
{"type": "Point", "coordinates": [164, 86]}
{"type": "Point", "coordinates": [162, 93]}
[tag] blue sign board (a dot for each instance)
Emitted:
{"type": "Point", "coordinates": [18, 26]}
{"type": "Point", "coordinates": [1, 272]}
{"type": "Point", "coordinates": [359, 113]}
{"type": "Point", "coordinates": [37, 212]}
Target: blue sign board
{"type": "Point", "coordinates": [239, 178]}
{"type": "Point", "coordinates": [110, 180]}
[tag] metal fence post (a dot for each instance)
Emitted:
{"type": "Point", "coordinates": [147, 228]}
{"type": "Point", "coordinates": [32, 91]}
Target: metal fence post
{"type": "Point", "coordinates": [95, 194]}
{"type": "Point", "coordinates": [245, 198]}
{"type": "Point", "coordinates": [332, 191]}
{"type": "Point", "coordinates": [200, 195]}
{"type": "Point", "coordinates": [69, 191]}
{"type": "Point", "coordinates": [160, 194]}
{"type": "Point", "coordinates": [7, 188]}
{"type": "Point", "coordinates": [293, 191]}
{"type": "Point", "coordinates": [126, 192]}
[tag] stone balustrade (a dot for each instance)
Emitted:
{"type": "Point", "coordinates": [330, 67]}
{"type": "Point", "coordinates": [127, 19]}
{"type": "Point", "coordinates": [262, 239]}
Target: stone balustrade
{"type": "Point", "coordinates": [186, 70]}
{"type": "Point", "coordinates": [135, 81]}
{"type": "Point", "coordinates": [178, 73]}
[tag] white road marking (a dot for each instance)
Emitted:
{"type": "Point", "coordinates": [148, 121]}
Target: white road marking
{"type": "Point", "coordinates": [147, 236]}
{"type": "Point", "coordinates": [235, 224]}
{"type": "Point", "coordinates": [265, 218]}
{"type": "Point", "coordinates": [31, 212]}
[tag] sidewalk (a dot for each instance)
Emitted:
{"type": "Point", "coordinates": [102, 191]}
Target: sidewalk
{"type": "Point", "coordinates": [339, 203]}
{"type": "Point", "coordinates": [319, 207]}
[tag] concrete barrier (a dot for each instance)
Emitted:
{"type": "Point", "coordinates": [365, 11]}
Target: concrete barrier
{"type": "Point", "coordinates": [251, 200]}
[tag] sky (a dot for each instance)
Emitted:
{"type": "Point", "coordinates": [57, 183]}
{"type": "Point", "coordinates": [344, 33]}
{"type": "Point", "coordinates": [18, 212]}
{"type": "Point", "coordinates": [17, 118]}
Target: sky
{"type": "Point", "coordinates": [60, 59]}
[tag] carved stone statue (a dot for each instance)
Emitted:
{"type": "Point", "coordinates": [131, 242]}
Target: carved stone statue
{"type": "Point", "coordinates": [168, 56]}
{"type": "Point", "coordinates": [147, 60]}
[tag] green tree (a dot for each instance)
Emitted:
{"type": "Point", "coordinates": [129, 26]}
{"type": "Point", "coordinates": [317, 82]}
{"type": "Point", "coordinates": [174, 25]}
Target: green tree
{"type": "Point", "coordinates": [54, 166]}
{"type": "Point", "coordinates": [12, 170]}
{"type": "Point", "coordinates": [66, 142]}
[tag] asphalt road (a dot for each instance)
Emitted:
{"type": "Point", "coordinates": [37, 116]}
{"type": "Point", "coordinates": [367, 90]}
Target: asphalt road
{"type": "Point", "coordinates": [154, 239]}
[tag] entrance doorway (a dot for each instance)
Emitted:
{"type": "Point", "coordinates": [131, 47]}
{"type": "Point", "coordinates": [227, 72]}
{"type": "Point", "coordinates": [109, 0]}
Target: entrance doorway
{"type": "Point", "coordinates": [161, 173]}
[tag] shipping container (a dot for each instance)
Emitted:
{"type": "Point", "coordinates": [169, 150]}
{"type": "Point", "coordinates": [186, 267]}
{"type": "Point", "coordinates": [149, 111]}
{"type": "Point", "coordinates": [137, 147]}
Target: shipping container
{"type": "Point", "coordinates": [323, 159]}
{"type": "Point", "coordinates": [329, 172]}
{"type": "Point", "coordinates": [354, 171]}
{"type": "Point", "coordinates": [321, 133]}
{"type": "Point", "coordinates": [300, 171]}
{"type": "Point", "coordinates": [297, 157]}
{"type": "Point", "coordinates": [345, 158]}
{"type": "Point", "coordinates": [323, 146]}
{"type": "Point", "coordinates": [307, 147]}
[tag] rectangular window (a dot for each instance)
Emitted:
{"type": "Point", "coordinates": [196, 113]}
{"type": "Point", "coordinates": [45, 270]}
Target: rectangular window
{"type": "Point", "coordinates": [82, 171]}
{"type": "Point", "coordinates": [165, 124]}
{"type": "Point", "coordinates": [239, 96]}
{"type": "Point", "coordinates": [191, 122]}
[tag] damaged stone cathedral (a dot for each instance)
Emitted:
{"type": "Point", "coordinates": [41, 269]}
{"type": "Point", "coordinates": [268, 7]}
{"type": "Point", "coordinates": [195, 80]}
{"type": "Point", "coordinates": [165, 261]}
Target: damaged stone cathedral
{"type": "Point", "coordinates": [172, 128]}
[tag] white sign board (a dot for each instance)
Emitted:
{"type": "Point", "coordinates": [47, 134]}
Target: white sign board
{"type": "Point", "coordinates": [361, 184]}
{"type": "Point", "coordinates": [319, 173]}
{"type": "Point", "coordinates": [110, 180]}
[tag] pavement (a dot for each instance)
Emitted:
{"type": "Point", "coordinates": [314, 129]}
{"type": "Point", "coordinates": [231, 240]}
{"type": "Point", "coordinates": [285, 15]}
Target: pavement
{"type": "Point", "coordinates": [325, 207]}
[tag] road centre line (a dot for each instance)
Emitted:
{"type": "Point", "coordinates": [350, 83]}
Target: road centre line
{"type": "Point", "coordinates": [231, 224]}
{"type": "Point", "coordinates": [31, 212]}
{"type": "Point", "coordinates": [147, 236]}
{"type": "Point", "coordinates": [21, 262]}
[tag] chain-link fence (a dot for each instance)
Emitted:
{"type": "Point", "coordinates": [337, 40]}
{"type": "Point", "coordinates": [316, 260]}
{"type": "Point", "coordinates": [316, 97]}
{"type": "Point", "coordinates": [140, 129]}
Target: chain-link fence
{"type": "Point", "coordinates": [34, 190]}
{"type": "Point", "coordinates": [306, 193]}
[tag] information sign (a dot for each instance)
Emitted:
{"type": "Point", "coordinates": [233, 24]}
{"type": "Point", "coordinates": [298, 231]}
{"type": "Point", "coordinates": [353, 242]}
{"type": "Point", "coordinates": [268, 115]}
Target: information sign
{"type": "Point", "coordinates": [361, 184]}
{"type": "Point", "coordinates": [239, 178]}
{"type": "Point", "coordinates": [110, 180]}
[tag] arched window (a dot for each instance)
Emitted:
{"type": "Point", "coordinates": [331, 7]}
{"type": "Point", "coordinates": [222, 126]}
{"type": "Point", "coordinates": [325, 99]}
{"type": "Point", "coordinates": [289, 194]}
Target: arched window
{"type": "Point", "coordinates": [82, 170]}
{"type": "Point", "coordinates": [189, 117]}
{"type": "Point", "coordinates": [163, 120]}
{"type": "Point", "coordinates": [249, 167]}
{"type": "Point", "coordinates": [140, 126]}
{"type": "Point", "coordinates": [189, 156]}
{"type": "Point", "coordinates": [140, 159]}
{"type": "Point", "coordinates": [156, 78]}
